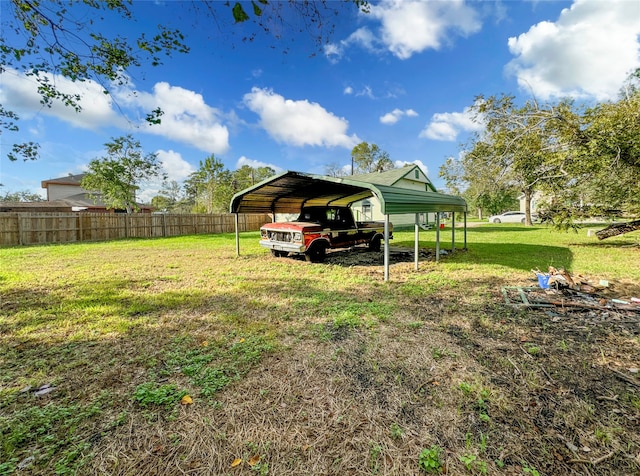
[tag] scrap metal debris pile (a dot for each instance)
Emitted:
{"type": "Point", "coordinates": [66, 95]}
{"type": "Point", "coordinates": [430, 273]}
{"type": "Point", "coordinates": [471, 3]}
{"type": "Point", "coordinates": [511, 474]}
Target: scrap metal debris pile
{"type": "Point", "coordinates": [560, 293]}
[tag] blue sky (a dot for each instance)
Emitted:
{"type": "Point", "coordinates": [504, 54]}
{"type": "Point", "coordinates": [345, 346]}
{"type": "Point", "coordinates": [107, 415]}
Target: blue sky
{"type": "Point", "coordinates": [402, 77]}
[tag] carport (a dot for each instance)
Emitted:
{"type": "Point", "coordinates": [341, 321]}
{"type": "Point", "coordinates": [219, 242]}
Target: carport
{"type": "Point", "coordinates": [289, 191]}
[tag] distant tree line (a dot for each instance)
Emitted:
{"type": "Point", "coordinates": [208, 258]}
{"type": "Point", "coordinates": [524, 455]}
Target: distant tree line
{"type": "Point", "coordinates": [209, 189]}
{"type": "Point", "coordinates": [20, 196]}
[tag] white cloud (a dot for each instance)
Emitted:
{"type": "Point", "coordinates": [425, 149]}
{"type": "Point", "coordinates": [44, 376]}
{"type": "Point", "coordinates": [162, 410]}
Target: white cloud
{"type": "Point", "coordinates": [187, 118]}
{"type": "Point", "coordinates": [588, 52]}
{"type": "Point", "coordinates": [256, 164]}
{"type": "Point", "coordinates": [367, 92]}
{"type": "Point", "coordinates": [410, 27]}
{"type": "Point", "coordinates": [397, 114]}
{"type": "Point", "coordinates": [19, 92]}
{"type": "Point", "coordinates": [174, 165]}
{"type": "Point", "coordinates": [419, 163]}
{"type": "Point", "coordinates": [362, 36]}
{"type": "Point", "coordinates": [299, 123]}
{"type": "Point", "coordinates": [176, 169]}
{"type": "Point", "coordinates": [447, 125]}
{"type": "Point", "coordinates": [348, 90]}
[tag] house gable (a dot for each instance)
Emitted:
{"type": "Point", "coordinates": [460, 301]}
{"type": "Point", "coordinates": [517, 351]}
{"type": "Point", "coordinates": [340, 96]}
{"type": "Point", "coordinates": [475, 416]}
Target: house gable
{"type": "Point", "coordinates": [410, 177]}
{"type": "Point", "coordinates": [63, 187]}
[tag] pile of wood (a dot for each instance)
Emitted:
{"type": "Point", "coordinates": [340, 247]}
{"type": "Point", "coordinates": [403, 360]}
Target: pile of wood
{"type": "Point", "coordinates": [570, 291]}
{"type": "Point", "coordinates": [560, 278]}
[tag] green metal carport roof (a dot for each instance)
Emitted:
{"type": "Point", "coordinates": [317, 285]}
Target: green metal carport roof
{"type": "Point", "coordinates": [289, 191]}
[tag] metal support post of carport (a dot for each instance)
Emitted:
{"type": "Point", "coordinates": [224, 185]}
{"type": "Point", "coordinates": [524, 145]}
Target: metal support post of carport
{"type": "Point", "coordinates": [237, 223]}
{"type": "Point", "coordinates": [437, 237]}
{"type": "Point", "coordinates": [453, 231]}
{"type": "Point", "coordinates": [386, 247]}
{"type": "Point", "coordinates": [465, 230]}
{"type": "Point", "coordinates": [416, 239]}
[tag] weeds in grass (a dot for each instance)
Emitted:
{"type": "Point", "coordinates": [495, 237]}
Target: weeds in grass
{"type": "Point", "coordinates": [213, 366]}
{"type": "Point", "coordinates": [438, 353]}
{"type": "Point", "coordinates": [466, 388]}
{"type": "Point", "coordinates": [474, 464]}
{"type": "Point", "coordinates": [532, 349]}
{"type": "Point", "coordinates": [429, 460]}
{"type": "Point", "coordinates": [55, 430]}
{"type": "Point", "coordinates": [150, 393]}
{"type": "Point", "coordinates": [375, 451]}
{"type": "Point", "coordinates": [530, 470]}
{"type": "Point", "coordinates": [396, 431]}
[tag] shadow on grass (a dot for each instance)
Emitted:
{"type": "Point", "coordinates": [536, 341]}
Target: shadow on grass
{"type": "Point", "coordinates": [491, 228]}
{"type": "Point", "coordinates": [513, 255]}
{"type": "Point", "coordinates": [517, 256]}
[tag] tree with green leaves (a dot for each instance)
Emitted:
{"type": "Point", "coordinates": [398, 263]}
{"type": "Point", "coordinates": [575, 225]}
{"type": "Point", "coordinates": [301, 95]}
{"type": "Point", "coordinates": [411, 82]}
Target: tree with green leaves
{"type": "Point", "coordinates": [203, 185]}
{"type": "Point", "coordinates": [367, 158]}
{"type": "Point", "coordinates": [607, 144]}
{"type": "Point", "coordinates": [171, 199]}
{"type": "Point", "coordinates": [212, 186]}
{"type": "Point", "coordinates": [58, 38]}
{"type": "Point", "coordinates": [115, 178]}
{"type": "Point", "coordinates": [520, 149]}
{"type": "Point", "coordinates": [475, 182]}
{"type": "Point", "coordinates": [247, 176]}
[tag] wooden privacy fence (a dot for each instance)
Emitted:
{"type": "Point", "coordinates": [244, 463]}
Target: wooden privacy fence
{"type": "Point", "coordinates": [38, 228]}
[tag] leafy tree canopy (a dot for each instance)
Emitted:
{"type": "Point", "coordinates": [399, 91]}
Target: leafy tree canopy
{"type": "Point", "coordinates": [116, 178]}
{"type": "Point", "coordinates": [368, 158]}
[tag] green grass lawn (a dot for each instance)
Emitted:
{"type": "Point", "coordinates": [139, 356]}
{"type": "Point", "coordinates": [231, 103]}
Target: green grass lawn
{"type": "Point", "coordinates": [300, 368]}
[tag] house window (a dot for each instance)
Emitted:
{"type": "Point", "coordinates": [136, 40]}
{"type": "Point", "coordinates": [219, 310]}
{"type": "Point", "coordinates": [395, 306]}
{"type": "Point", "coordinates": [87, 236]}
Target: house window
{"type": "Point", "coordinates": [366, 210]}
{"type": "Point", "coordinates": [417, 173]}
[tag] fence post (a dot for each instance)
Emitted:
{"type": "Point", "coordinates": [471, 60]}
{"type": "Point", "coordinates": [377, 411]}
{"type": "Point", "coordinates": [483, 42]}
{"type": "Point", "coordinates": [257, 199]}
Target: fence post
{"type": "Point", "coordinates": [19, 230]}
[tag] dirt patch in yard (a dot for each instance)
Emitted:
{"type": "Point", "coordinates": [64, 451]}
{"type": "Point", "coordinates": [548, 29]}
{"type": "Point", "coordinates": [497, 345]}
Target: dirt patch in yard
{"type": "Point", "coordinates": [361, 256]}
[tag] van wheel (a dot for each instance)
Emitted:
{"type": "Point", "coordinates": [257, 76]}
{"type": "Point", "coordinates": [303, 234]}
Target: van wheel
{"type": "Point", "coordinates": [316, 254]}
{"type": "Point", "coordinates": [374, 245]}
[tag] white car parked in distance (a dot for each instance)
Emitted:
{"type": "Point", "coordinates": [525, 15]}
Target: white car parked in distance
{"type": "Point", "coordinates": [511, 217]}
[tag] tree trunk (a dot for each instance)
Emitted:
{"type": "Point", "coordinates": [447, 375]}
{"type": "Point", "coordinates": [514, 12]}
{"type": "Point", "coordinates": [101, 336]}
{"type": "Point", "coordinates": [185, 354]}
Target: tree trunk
{"type": "Point", "coordinates": [527, 207]}
{"type": "Point", "coordinates": [618, 229]}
